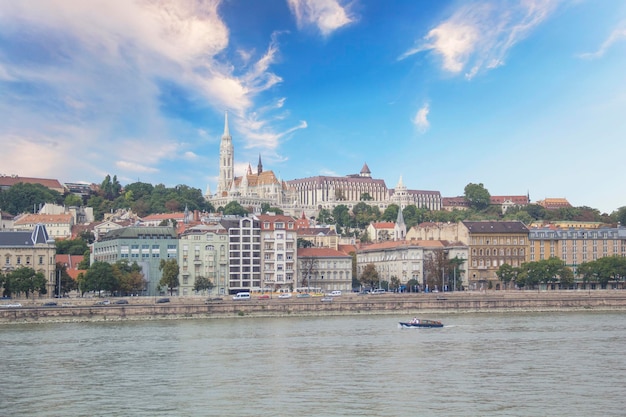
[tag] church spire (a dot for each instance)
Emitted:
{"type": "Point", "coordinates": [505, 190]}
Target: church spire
{"type": "Point", "coordinates": [259, 167]}
{"type": "Point", "coordinates": [226, 131]}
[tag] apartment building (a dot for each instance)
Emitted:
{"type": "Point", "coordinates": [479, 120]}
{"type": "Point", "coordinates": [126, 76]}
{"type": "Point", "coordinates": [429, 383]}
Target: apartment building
{"type": "Point", "coordinates": [203, 252]}
{"type": "Point", "coordinates": [491, 244]}
{"type": "Point", "coordinates": [244, 253]}
{"type": "Point", "coordinates": [278, 251]}
{"type": "Point", "coordinates": [324, 270]}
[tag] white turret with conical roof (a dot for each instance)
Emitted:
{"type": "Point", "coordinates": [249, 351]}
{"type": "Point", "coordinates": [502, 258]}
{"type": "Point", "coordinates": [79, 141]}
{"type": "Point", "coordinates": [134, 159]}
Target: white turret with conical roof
{"type": "Point", "coordinates": [227, 157]}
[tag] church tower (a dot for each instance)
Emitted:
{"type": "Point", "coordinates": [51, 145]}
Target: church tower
{"type": "Point", "coordinates": [227, 156]}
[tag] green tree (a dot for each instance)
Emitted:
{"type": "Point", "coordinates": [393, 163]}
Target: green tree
{"type": "Point", "coordinates": [620, 215]}
{"type": "Point", "coordinates": [477, 196]}
{"type": "Point", "coordinates": [391, 213]}
{"type": "Point", "coordinates": [26, 198]}
{"type": "Point", "coordinates": [71, 247]}
{"type": "Point", "coordinates": [365, 214]}
{"type": "Point", "coordinates": [341, 214]}
{"type": "Point", "coordinates": [72, 200]}
{"type": "Point", "coordinates": [202, 284]}
{"type": "Point", "coordinates": [234, 208]}
{"type": "Point", "coordinates": [366, 197]}
{"type": "Point", "coordinates": [99, 277]}
{"type": "Point", "coordinates": [507, 274]}
{"type": "Point", "coordinates": [369, 276]}
{"type": "Point", "coordinates": [169, 278]}
{"type": "Point", "coordinates": [325, 217]}
{"type": "Point", "coordinates": [304, 243]}
{"type": "Point", "coordinates": [27, 280]}
{"type": "Point", "coordinates": [67, 283]}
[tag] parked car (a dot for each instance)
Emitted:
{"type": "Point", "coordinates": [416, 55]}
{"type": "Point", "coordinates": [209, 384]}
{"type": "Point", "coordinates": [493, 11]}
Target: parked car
{"type": "Point", "coordinates": [241, 296]}
{"type": "Point", "coordinates": [102, 303]}
{"type": "Point", "coordinates": [264, 297]}
{"type": "Point", "coordinates": [327, 299]}
{"type": "Point", "coordinates": [378, 291]}
{"type": "Point", "coordinates": [335, 293]}
{"type": "Point", "coordinates": [213, 300]}
{"type": "Point", "coordinates": [285, 295]}
{"type": "Point", "coordinates": [303, 295]}
{"type": "Point", "coordinates": [163, 300]}
{"type": "Point", "coordinates": [50, 304]}
{"type": "Point", "coordinates": [121, 302]}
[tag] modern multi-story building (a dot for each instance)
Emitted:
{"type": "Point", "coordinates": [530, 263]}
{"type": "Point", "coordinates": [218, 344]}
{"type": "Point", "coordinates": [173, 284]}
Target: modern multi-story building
{"type": "Point", "coordinates": [324, 270]}
{"type": "Point", "coordinates": [29, 248]}
{"type": "Point", "coordinates": [244, 253]}
{"type": "Point", "coordinates": [278, 251]}
{"type": "Point", "coordinates": [203, 252]}
{"type": "Point", "coordinates": [145, 245]}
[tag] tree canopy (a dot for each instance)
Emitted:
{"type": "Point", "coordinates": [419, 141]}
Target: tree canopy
{"type": "Point", "coordinates": [477, 196]}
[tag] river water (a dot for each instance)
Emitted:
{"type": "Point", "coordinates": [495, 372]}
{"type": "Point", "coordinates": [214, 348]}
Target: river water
{"type": "Point", "coordinates": [509, 364]}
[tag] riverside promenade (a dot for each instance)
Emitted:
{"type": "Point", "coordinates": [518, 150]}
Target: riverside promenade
{"type": "Point", "coordinates": [146, 308]}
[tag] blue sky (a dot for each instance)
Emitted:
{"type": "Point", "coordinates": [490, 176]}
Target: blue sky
{"type": "Point", "coordinates": [524, 97]}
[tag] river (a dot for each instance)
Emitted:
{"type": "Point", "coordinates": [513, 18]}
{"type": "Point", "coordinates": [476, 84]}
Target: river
{"type": "Point", "coordinates": [495, 364]}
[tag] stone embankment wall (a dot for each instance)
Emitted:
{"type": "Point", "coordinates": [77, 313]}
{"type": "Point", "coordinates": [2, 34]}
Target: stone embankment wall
{"type": "Point", "coordinates": [348, 304]}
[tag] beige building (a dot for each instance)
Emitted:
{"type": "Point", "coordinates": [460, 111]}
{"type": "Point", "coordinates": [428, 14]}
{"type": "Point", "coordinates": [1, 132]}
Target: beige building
{"type": "Point", "coordinates": [203, 251]}
{"type": "Point", "coordinates": [405, 259]}
{"type": "Point", "coordinates": [320, 237]}
{"type": "Point", "coordinates": [324, 269]}
{"type": "Point", "coordinates": [491, 244]}
{"type": "Point", "coordinates": [29, 248]}
{"type": "Point", "coordinates": [453, 232]}
{"type": "Point", "coordinates": [59, 226]}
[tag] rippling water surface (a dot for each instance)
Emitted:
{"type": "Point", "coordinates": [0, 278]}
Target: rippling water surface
{"type": "Point", "coordinates": [543, 364]}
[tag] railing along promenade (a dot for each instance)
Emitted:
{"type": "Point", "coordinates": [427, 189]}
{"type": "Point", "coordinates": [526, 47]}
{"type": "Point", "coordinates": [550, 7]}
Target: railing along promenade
{"type": "Point", "coordinates": [144, 308]}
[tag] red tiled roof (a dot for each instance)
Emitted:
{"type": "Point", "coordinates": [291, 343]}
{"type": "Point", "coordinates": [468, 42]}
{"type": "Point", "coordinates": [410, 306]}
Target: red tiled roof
{"type": "Point", "coordinates": [45, 218]}
{"type": "Point", "coordinates": [320, 252]}
{"type": "Point", "coordinates": [11, 180]}
{"type": "Point", "coordinates": [384, 225]}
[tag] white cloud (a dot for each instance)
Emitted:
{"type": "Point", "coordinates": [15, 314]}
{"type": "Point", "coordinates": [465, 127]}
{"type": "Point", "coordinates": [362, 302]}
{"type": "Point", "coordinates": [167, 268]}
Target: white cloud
{"type": "Point", "coordinates": [134, 167]}
{"type": "Point", "coordinates": [478, 36]}
{"type": "Point", "coordinates": [326, 15]}
{"type": "Point", "coordinates": [421, 118]}
{"type": "Point", "coordinates": [103, 64]}
{"type": "Point", "coordinates": [616, 35]}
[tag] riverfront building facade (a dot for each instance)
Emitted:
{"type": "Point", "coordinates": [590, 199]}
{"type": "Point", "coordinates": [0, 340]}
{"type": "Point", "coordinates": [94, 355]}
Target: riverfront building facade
{"type": "Point", "coordinates": [145, 245]}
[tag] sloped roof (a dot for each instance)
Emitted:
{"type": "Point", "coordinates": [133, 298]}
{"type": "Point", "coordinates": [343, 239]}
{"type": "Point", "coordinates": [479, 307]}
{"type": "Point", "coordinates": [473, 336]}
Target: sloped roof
{"type": "Point", "coordinates": [132, 232]}
{"type": "Point", "coordinates": [496, 227]}
{"type": "Point", "coordinates": [391, 244]}
{"type": "Point", "coordinates": [384, 225]}
{"type": "Point", "coordinates": [44, 218]}
{"type": "Point", "coordinates": [321, 253]}
{"type": "Point", "coordinates": [11, 180]}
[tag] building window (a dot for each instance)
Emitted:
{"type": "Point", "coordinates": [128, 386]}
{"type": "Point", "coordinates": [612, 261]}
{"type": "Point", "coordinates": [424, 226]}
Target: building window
{"type": "Point", "coordinates": [40, 260]}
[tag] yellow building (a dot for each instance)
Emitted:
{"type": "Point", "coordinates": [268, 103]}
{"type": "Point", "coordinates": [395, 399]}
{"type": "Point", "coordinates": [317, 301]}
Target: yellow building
{"type": "Point", "coordinates": [576, 245]}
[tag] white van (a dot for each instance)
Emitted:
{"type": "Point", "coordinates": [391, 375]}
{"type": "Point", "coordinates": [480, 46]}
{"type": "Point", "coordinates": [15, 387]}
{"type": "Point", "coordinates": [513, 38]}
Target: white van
{"type": "Point", "coordinates": [335, 293]}
{"type": "Point", "coordinates": [242, 296]}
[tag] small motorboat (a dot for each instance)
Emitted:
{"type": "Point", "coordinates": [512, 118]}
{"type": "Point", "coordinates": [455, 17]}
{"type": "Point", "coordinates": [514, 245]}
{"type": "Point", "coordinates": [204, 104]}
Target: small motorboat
{"type": "Point", "coordinates": [415, 322]}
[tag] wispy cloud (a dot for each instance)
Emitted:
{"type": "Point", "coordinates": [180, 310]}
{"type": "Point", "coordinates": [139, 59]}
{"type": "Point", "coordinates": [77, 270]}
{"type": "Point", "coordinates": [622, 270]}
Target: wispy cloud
{"type": "Point", "coordinates": [421, 118]}
{"type": "Point", "coordinates": [326, 15]}
{"type": "Point", "coordinates": [618, 34]}
{"type": "Point", "coordinates": [478, 36]}
{"type": "Point", "coordinates": [103, 63]}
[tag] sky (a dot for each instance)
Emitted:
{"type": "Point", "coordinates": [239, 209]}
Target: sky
{"type": "Point", "coordinates": [525, 97]}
